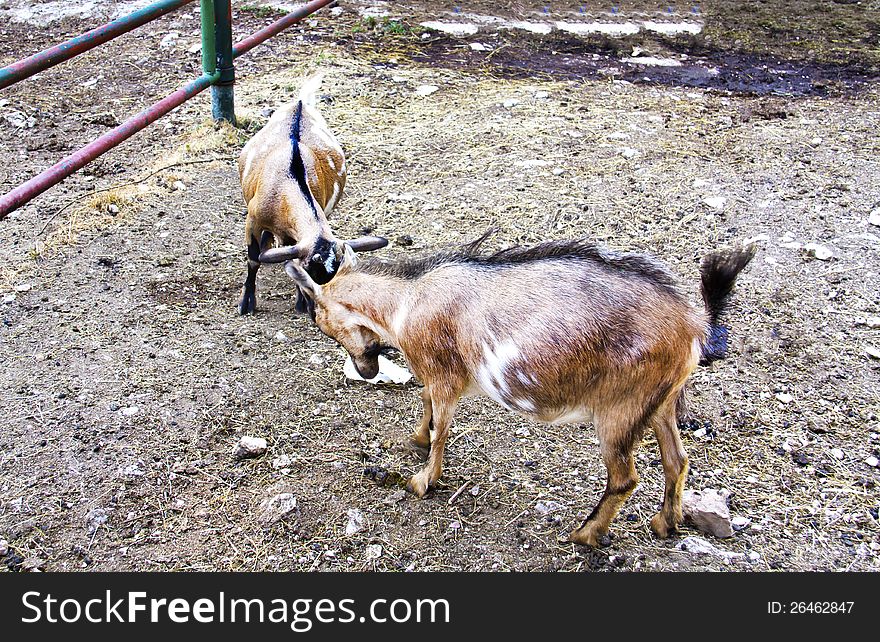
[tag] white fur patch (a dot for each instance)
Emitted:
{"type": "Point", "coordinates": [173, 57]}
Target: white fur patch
{"type": "Point", "coordinates": [491, 372]}
{"type": "Point", "coordinates": [330, 162]}
{"type": "Point", "coordinates": [400, 317]}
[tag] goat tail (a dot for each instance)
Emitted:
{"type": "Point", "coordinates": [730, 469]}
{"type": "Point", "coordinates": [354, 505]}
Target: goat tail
{"type": "Point", "coordinates": [308, 93]}
{"type": "Point", "coordinates": [718, 272]}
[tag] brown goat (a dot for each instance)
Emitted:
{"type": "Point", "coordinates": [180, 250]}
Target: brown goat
{"type": "Point", "coordinates": [561, 332]}
{"type": "Point", "coordinates": [292, 175]}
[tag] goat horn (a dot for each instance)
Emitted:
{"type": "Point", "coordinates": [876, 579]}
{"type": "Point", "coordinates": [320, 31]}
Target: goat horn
{"type": "Point", "coordinates": [367, 243]}
{"type": "Point", "coordinates": [282, 254]}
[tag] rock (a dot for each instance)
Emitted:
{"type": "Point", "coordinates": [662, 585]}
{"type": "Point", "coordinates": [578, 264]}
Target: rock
{"type": "Point", "coordinates": [475, 491]}
{"type": "Point", "coordinates": [373, 552]}
{"type": "Point", "coordinates": [874, 217]}
{"type": "Point", "coordinates": [784, 397]}
{"type": "Point", "coordinates": [837, 453]}
{"type": "Point", "coordinates": [510, 103]}
{"type": "Point", "coordinates": [250, 447]}
{"type": "Point", "coordinates": [549, 506]}
{"type": "Point", "coordinates": [113, 208]}
{"type": "Point", "coordinates": [872, 461]}
{"type": "Point", "coordinates": [395, 498]}
{"type": "Point", "coordinates": [478, 46]}
{"type": "Point", "coordinates": [754, 556]}
{"type": "Point", "coordinates": [4, 547]}
{"type": "Point", "coordinates": [873, 322]}
{"type": "Point", "coordinates": [179, 186]}
{"type": "Point", "coordinates": [740, 523]}
{"type": "Point", "coordinates": [356, 522]}
{"type": "Point", "coordinates": [24, 287]}
{"type": "Point", "coordinates": [558, 171]}
{"type": "Point", "coordinates": [628, 152]}
{"type": "Point", "coordinates": [33, 564]}
{"type": "Point", "coordinates": [701, 547]}
{"type": "Point", "coordinates": [282, 461]}
{"type": "Point", "coordinates": [540, 95]}
{"type": "Point", "coordinates": [872, 352]}
{"type": "Point", "coordinates": [130, 411]}
{"type": "Point", "coordinates": [277, 508]}
{"type": "Point", "coordinates": [8, 298]}
{"type": "Point", "coordinates": [715, 202]}
{"type": "Point", "coordinates": [280, 337]}
{"type": "Point", "coordinates": [818, 251]}
{"type": "Point", "coordinates": [455, 525]}
{"type": "Point", "coordinates": [426, 90]}
{"type": "Point", "coordinates": [708, 511]}
{"type": "Point", "coordinates": [95, 518]}
{"type": "Point", "coordinates": [169, 39]}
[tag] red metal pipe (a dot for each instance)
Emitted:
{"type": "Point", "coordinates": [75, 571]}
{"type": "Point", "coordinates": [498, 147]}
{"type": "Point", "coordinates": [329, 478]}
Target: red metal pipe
{"type": "Point", "coordinates": [265, 33]}
{"type": "Point", "coordinates": [61, 170]}
{"type": "Point", "coordinates": [27, 67]}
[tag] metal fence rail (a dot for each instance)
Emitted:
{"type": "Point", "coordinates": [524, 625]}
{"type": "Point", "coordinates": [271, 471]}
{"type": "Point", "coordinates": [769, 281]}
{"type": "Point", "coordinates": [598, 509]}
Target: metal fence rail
{"type": "Point", "coordinates": [218, 54]}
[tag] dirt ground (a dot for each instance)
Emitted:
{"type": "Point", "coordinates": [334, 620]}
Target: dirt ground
{"type": "Point", "coordinates": [128, 376]}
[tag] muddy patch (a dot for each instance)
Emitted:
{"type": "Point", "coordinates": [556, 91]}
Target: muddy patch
{"type": "Point", "coordinates": [680, 65]}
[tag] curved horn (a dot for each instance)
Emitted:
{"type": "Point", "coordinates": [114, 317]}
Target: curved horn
{"type": "Point", "coordinates": [282, 254]}
{"type": "Point", "coordinates": [367, 243]}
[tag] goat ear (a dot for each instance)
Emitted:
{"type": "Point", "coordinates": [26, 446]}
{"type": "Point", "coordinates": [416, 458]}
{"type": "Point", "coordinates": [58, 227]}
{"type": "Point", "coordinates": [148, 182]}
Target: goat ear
{"type": "Point", "coordinates": [349, 258]}
{"type": "Point", "coordinates": [303, 280]}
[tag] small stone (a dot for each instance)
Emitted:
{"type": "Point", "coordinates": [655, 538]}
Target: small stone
{"type": "Point", "coordinates": [282, 461]}
{"type": "Point", "coordinates": [130, 411]}
{"type": "Point", "coordinates": [872, 461]}
{"type": "Point", "coordinates": [872, 352]}
{"type": "Point", "coordinates": [548, 507]}
{"type": "Point", "coordinates": [426, 90]}
{"type": "Point", "coordinates": [24, 287]}
{"type": "Point", "coordinates": [837, 453]}
{"type": "Point", "coordinates": [558, 171]}
{"type": "Point", "coordinates": [510, 103]}
{"type": "Point", "coordinates": [542, 94]}
{"type": "Point", "coordinates": [179, 186]}
{"type": "Point", "coordinates": [250, 447]}
{"type": "Point", "coordinates": [4, 547]}
{"type": "Point", "coordinates": [784, 397]}
{"type": "Point", "coordinates": [95, 518]}
{"type": "Point", "coordinates": [169, 39]}
{"type": "Point", "coordinates": [754, 556]}
{"type": "Point", "coordinates": [873, 322]}
{"type": "Point", "coordinates": [874, 218]}
{"type": "Point", "coordinates": [628, 152]}
{"type": "Point", "coordinates": [715, 202]}
{"type": "Point", "coordinates": [455, 525]}
{"type": "Point", "coordinates": [818, 251]}
{"type": "Point", "coordinates": [113, 208]}
{"type": "Point", "coordinates": [33, 564]}
{"type": "Point", "coordinates": [700, 433]}
{"type": "Point", "coordinates": [277, 508]}
{"type": "Point", "coordinates": [280, 337]}
{"type": "Point", "coordinates": [708, 511]}
{"type": "Point", "coordinates": [740, 523]}
{"type": "Point", "coordinates": [478, 46]}
{"type": "Point", "coordinates": [475, 491]}
{"type": "Point", "coordinates": [815, 142]}
{"type": "Point", "coordinates": [701, 547]}
{"type": "Point", "coordinates": [373, 552]}
{"type": "Point", "coordinates": [356, 522]}
{"type": "Point", "coordinates": [395, 498]}
{"type": "Point", "coordinates": [8, 298]}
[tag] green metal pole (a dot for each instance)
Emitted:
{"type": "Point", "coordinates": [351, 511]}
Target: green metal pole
{"type": "Point", "coordinates": [222, 93]}
{"type": "Point", "coordinates": [209, 47]}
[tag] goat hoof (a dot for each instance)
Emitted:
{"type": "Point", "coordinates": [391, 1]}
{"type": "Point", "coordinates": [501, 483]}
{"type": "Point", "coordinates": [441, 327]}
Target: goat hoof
{"type": "Point", "coordinates": [587, 535]}
{"type": "Point", "coordinates": [661, 526]}
{"type": "Point", "coordinates": [418, 485]}
{"type": "Point", "coordinates": [248, 304]}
